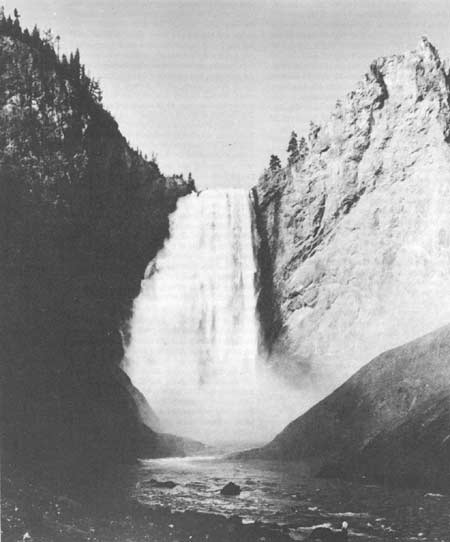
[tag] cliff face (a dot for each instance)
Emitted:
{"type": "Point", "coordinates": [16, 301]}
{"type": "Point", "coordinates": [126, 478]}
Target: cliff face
{"type": "Point", "coordinates": [389, 422]}
{"type": "Point", "coordinates": [357, 233]}
{"type": "Point", "coordinates": [82, 214]}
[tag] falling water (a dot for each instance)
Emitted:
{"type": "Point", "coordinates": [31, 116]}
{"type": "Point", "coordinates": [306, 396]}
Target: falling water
{"type": "Point", "coordinates": [193, 350]}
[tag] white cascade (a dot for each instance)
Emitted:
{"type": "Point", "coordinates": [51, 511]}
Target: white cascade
{"type": "Point", "coordinates": [193, 349]}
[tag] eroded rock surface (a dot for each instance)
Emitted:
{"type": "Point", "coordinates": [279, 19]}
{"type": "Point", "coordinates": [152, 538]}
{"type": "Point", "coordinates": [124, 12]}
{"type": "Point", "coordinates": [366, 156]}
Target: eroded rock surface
{"type": "Point", "coordinates": [358, 232]}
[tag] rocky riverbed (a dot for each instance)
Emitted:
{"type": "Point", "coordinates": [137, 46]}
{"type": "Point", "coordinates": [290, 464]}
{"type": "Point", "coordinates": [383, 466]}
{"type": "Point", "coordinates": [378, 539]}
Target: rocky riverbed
{"type": "Point", "coordinates": [278, 502]}
{"type": "Point", "coordinates": [32, 508]}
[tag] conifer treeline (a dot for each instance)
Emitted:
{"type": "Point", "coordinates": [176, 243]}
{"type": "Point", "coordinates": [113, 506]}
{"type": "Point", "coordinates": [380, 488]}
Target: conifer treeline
{"type": "Point", "coordinates": [297, 149]}
{"type": "Point", "coordinates": [70, 68]}
{"type": "Point", "coordinates": [87, 94]}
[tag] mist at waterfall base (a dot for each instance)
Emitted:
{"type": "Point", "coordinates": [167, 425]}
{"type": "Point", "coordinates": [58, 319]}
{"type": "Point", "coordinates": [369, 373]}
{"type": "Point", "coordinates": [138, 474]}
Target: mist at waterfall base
{"type": "Point", "coordinates": [193, 348]}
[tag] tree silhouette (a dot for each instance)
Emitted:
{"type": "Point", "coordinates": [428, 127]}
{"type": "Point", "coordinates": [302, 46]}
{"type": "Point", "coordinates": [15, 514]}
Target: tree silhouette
{"type": "Point", "coordinates": [3, 23]}
{"type": "Point", "coordinates": [302, 148]}
{"type": "Point", "coordinates": [293, 148]}
{"type": "Point", "coordinates": [35, 37]}
{"type": "Point", "coordinates": [275, 163]}
{"type": "Point", "coordinates": [16, 29]}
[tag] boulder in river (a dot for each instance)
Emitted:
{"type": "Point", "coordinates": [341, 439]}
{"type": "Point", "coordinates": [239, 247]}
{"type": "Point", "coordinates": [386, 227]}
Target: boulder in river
{"type": "Point", "coordinates": [230, 489]}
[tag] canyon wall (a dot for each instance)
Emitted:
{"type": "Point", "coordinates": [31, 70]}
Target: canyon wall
{"type": "Point", "coordinates": [355, 251]}
{"type": "Point", "coordinates": [82, 214]}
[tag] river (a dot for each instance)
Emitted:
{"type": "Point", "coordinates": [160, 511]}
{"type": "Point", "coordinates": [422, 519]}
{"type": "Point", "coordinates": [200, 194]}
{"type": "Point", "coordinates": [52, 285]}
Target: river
{"type": "Point", "coordinates": [286, 494]}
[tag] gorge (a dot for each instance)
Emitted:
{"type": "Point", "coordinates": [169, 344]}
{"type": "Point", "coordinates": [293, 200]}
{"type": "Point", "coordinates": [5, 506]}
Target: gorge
{"type": "Point", "coordinates": [305, 319]}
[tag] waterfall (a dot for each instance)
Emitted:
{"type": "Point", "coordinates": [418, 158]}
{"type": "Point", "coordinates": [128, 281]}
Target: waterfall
{"type": "Point", "coordinates": [193, 349]}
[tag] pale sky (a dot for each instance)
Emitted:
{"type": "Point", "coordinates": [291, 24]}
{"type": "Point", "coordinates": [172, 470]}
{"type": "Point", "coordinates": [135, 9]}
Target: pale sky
{"type": "Point", "coordinates": [214, 87]}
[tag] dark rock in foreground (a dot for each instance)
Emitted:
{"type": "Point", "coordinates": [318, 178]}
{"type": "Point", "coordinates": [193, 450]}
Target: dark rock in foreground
{"type": "Point", "coordinates": [390, 422]}
{"type": "Point", "coordinates": [230, 489]}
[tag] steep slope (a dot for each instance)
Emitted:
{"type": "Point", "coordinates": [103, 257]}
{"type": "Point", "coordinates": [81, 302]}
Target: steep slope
{"type": "Point", "coordinates": [355, 247]}
{"type": "Point", "coordinates": [389, 422]}
{"type": "Point", "coordinates": [82, 214]}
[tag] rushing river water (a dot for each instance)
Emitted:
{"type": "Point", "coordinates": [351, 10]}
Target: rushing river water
{"type": "Point", "coordinates": [285, 494]}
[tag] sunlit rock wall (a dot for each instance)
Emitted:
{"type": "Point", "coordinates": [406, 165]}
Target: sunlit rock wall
{"type": "Point", "coordinates": [357, 234]}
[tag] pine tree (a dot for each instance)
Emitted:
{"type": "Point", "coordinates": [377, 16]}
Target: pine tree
{"type": "Point", "coordinates": [2, 20]}
{"type": "Point", "coordinates": [9, 25]}
{"type": "Point", "coordinates": [275, 163]}
{"type": "Point", "coordinates": [35, 37]}
{"type": "Point", "coordinates": [76, 66]}
{"type": "Point", "coordinates": [17, 30]}
{"type": "Point", "coordinates": [302, 148]}
{"type": "Point", "coordinates": [293, 148]}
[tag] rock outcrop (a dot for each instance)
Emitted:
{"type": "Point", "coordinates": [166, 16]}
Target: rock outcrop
{"type": "Point", "coordinates": [390, 422]}
{"type": "Point", "coordinates": [355, 250]}
{"type": "Point", "coordinates": [82, 215]}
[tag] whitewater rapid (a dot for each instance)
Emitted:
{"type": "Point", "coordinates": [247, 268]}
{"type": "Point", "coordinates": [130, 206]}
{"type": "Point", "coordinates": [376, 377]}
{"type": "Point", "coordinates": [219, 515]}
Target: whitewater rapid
{"type": "Point", "coordinates": [193, 349]}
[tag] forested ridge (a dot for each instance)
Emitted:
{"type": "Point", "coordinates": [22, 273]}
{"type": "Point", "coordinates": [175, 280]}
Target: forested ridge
{"type": "Point", "coordinates": [82, 213]}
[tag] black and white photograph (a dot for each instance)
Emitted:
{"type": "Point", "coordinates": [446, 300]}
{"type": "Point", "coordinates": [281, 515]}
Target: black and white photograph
{"type": "Point", "coordinates": [225, 270]}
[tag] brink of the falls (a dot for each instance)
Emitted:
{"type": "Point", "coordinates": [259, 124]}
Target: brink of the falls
{"type": "Point", "coordinates": [193, 348]}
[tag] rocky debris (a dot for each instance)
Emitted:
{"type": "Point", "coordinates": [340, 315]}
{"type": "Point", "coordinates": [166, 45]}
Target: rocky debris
{"type": "Point", "coordinates": [389, 422]}
{"type": "Point", "coordinates": [230, 489]}
{"type": "Point", "coordinates": [355, 242]}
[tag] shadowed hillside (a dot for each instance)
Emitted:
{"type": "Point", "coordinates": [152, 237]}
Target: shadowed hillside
{"type": "Point", "coordinates": [389, 422]}
{"type": "Point", "coordinates": [82, 214]}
